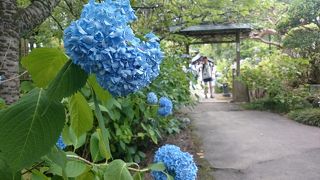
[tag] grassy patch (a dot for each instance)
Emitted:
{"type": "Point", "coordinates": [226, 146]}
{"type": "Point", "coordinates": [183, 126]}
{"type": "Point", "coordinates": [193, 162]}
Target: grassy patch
{"type": "Point", "coordinates": [267, 104]}
{"type": "Point", "coordinates": [309, 116]}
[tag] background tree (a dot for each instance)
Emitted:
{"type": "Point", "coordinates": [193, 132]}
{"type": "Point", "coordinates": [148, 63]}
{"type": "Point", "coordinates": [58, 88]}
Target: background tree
{"type": "Point", "coordinates": [301, 27]}
{"type": "Point", "coordinates": [14, 23]}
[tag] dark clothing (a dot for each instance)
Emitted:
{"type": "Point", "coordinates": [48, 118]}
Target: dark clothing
{"type": "Point", "coordinates": [207, 80]}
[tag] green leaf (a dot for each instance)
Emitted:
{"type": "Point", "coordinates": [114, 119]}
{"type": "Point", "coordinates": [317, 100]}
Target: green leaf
{"type": "Point", "coordinates": [138, 176]}
{"type": "Point", "coordinates": [70, 138]}
{"type": "Point", "coordinates": [30, 128]}
{"type": "Point", "coordinates": [76, 168]}
{"type": "Point", "coordinates": [153, 135]}
{"type": "Point", "coordinates": [137, 158]}
{"type": "Point", "coordinates": [69, 80]}
{"type": "Point", "coordinates": [55, 169]}
{"type": "Point", "coordinates": [104, 145]}
{"type": "Point", "coordinates": [117, 170]}
{"type": "Point", "coordinates": [102, 108]}
{"type": "Point", "coordinates": [101, 93]}
{"type": "Point", "coordinates": [81, 117]}
{"type": "Point", "coordinates": [94, 148]}
{"type": "Point", "coordinates": [169, 177]}
{"type": "Point", "coordinates": [157, 166]}
{"type": "Point", "coordinates": [57, 156]}
{"type": "Point", "coordinates": [102, 132]}
{"type": "Point", "coordinates": [86, 176]}
{"type": "Point", "coordinates": [37, 175]}
{"type": "Point", "coordinates": [77, 142]}
{"type": "Point", "coordinates": [66, 135]}
{"type": "Point", "coordinates": [26, 86]}
{"type": "Point", "coordinates": [5, 171]}
{"type": "Point", "coordinates": [43, 64]}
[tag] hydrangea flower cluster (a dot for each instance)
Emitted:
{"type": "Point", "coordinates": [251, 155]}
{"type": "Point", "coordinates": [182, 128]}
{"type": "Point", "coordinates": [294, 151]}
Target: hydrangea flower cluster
{"type": "Point", "coordinates": [152, 98]}
{"type": "Point", "coordinates": [179, 164]}
{"type": "Point", "coordinates": [165, 106]}
{"type": "Point", "coordinates": [60, 143]}
{"type": "Point", "coordinates": [102, 42]}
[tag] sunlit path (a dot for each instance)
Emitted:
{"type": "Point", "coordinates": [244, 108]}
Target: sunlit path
{"type": "Point", "coordinates": [251, 145]}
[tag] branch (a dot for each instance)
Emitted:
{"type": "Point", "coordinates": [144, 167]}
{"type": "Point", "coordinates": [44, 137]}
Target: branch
{"type": "Point", "coordinates": [69, 5]}
{"type": "Point", "coordinates": [259, 36]}
{"type": "Point", "coordinates": [267, 42]}
{"type": "Point", "coordinates": [58, 23]}
{"type": "Point", "coordinates": [33, 15]}
{"type": "Point", "coordinates": [16, 77]}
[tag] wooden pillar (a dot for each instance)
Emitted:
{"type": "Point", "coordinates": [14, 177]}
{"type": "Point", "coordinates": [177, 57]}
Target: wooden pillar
{"type": "Point", "coordinates": [187, 48]}
{"type": "Point", "coordinates": [238, 52]}
{"type": "Point", "coordinates": [240, 91]}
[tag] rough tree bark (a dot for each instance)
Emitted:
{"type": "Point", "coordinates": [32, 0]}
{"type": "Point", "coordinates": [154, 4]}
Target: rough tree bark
{"type": "Point", "coordinates": [14, 23]}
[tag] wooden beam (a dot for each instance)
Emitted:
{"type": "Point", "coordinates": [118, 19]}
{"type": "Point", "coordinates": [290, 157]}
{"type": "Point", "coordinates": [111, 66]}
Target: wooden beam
{"type": "Point", "coordinates": [212, 42]}
{"type": "Point", "coordinates": [238, 52]}
{"type": "Point", "coordinates": [187, 48]}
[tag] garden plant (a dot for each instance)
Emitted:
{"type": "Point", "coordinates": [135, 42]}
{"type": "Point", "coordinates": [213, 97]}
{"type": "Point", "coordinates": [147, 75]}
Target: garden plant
{"type": "Point", "coordinates": [94, 105]}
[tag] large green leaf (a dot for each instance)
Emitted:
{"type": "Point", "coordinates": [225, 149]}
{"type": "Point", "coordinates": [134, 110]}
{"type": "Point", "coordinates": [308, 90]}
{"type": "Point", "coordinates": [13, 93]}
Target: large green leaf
{"type": "Point", "coordinates": [104, 145]}
{"type": "Point", "coordinates": [138, 176]}
{"type": "Point", "coordinates": [57, 156]}
{"type": "Point", "coordinates": [94, 148]}
{"type": "Point", "coordinates": [117, 170]}
{"type": "Point", "coordinates": [102, 131]}
{"type": "Point", "coordinates": [81, 116]}
{"type": "Point", "coordinates": [30, 128]}
{"type": "Point", "coordinates": [5, 172]}
{"type": "Point", "coordinates": [69, 80]}
{"type": "Point", "coordinates": [70, 138]}
{"type": "Point", "coordinates": [43, 64]}
{"type": "Point", "coordinates": [102, 94]}
{"type": "Point", "coordinates": [76, 168]}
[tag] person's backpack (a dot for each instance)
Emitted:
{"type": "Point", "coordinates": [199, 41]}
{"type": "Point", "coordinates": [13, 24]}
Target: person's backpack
{"type": "Point", "coordinates": [206, 71]}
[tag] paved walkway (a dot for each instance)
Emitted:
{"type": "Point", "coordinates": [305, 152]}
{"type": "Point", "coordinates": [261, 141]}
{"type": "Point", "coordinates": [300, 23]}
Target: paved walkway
{"type": "Point", "coordinates": [253, 145]}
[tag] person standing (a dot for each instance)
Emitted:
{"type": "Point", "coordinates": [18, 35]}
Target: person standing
{"type": "Point", "coordinates": [207, 76]}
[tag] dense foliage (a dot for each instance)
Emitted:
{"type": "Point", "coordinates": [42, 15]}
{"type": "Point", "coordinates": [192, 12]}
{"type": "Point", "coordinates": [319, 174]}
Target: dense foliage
{"type": "Point", "coordinates": [65, 105]}
{"type": "Point", "coordinates": [309, 116]}
{"type": "Point", "coordinates": [98, 132]}
{"type": "Point", "coordinates": [281, 82]}
{"type": "Point", "coordinates": [280, 79]}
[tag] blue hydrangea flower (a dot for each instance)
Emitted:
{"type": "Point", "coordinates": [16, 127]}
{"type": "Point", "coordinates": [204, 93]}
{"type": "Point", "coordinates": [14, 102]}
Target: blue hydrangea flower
{"type": "Point", "coordinates": [152, 98]}
{"type": "Point", "coordinates": [60, 143]}
{"type": "Point", "coordinates": [102, 42]}
{"type": "Point", "coordinates": [179, 164]}
{"type": "Point", "coordinates": [165, 106]}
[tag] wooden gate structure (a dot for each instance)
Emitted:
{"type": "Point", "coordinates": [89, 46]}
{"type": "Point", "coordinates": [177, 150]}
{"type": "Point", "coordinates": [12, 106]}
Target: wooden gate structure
{"type": "Point", "coordinates": [220, 33]}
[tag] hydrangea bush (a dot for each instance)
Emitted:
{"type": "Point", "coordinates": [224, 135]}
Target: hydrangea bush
{"type": "Point", "coordinates": [165, 106]}
{"type": "Point", "coordinates": [179, 164]}
{"type": "Point", "coordinates": [152, 98]}
{"type": "Point", "coordinates": [103, 43]}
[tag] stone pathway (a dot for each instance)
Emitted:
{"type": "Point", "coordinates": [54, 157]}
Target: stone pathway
{"type": "Point", "coordinates": [253, 145]}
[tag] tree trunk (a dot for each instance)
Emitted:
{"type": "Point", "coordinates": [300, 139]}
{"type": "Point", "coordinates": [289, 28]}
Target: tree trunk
{"type": "Point", "coordinates": [13, 25]}
{"type": "Point", "coordinates": [314, 77]}
{"type": "Point", "coordinates": [9, 51]}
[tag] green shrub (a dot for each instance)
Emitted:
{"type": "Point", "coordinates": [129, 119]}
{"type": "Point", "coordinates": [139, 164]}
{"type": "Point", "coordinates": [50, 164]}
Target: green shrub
{"type": "Point", "coordinates": [284, 80]}
{"type": "Point", "coordinates": [2, 103]}
{"type": "Point", "coordinates": [309, 116]}
{"type": "Point", "coordinates": [283, 105]}
{"type": "Point", "coordinates": [173, 82]}
{"type": "Point", "coordinates": [267, 104]}
{"type": "Point", "coordinates": [218, 89]}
